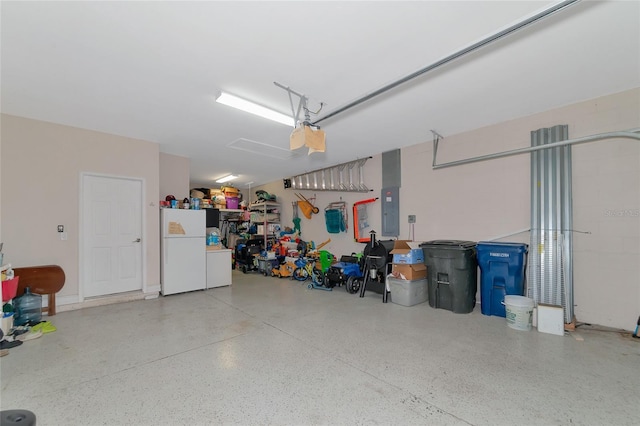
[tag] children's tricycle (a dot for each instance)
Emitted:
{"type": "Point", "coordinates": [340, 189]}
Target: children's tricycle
{"type": "Point", "coordinates": [306, 268]}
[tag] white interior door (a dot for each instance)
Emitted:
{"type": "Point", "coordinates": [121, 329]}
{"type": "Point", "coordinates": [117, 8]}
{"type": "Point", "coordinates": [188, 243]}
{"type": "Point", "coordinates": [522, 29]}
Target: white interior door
{"type": "Point", "coordinates": [112, 235]}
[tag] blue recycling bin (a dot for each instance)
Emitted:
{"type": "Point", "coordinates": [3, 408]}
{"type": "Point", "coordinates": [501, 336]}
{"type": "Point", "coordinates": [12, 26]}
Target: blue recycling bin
{"type": "Point", "coordinates": [502, 272]}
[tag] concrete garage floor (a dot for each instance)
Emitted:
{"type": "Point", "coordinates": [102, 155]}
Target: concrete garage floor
{"type": "Point", "coordinates": [271, 351]}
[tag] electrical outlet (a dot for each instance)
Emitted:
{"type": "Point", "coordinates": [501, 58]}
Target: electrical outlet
{"type": "Point", "coordinates": [63, 236]}
{"type": "Point", "coordinates": [412, 218]}
{"type": "Point", "coordinates": [60, 228]}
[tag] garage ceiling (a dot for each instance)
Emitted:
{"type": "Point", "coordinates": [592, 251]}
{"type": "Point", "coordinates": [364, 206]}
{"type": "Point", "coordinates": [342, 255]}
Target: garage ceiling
{"type": "Point", "coordinates": [151, 70]}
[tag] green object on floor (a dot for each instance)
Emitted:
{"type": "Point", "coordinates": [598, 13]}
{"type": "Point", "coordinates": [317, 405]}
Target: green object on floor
{"type": "Point", "coordinates": [45, 327]}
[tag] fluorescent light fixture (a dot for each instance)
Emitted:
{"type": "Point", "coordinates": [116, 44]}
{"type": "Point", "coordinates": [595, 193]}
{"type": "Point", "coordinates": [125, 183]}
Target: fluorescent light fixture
{"type": "Point", "coordinates": [227, 178]}
{"type": "Point", "coordinates": [250, 107]}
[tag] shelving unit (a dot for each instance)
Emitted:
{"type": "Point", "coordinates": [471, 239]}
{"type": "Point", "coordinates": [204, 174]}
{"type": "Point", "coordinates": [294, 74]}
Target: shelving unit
{"type": "Point", "coordinates": [230, 221]}
{"type": "Point", "coordinates": [265, 214]}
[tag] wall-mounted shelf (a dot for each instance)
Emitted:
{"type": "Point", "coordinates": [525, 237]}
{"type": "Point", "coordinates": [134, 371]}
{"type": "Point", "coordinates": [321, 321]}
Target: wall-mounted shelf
{"type": "Point", "coordinates": [231, 221]}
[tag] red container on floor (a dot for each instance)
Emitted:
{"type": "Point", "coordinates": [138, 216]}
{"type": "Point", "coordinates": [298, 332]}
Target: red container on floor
{"type": "Point", "coordinates": [232, 202]}
{"type": "Point", "coordinates": [9, 289]}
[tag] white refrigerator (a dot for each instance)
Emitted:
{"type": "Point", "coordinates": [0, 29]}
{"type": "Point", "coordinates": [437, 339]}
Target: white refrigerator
{"type": "Point", "coordinates": [183, 265]}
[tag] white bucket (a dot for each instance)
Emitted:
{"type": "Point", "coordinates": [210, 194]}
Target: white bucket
{"type": "Point", "coordinates": [519, 312]}
{"type": "Point", "coordinates": [7, 322]}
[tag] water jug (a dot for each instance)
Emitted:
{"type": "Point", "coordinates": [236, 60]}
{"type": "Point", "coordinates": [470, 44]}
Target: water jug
{"type": "Point", "coordinates": [28, 308]}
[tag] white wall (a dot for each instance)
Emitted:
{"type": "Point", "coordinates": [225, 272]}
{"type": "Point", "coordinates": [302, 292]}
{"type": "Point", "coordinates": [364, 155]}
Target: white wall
{"type": "Point", "coordinates": [489, 199]}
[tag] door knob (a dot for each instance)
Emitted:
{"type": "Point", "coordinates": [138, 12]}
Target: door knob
{"type": "Point", "coordinates": [137, 240]}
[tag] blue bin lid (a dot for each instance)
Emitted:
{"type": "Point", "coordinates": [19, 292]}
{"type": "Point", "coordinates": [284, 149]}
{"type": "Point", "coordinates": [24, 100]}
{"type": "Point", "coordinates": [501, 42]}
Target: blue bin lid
{"type": "Point", "coordinates": [449, 244]}
{"type": "Point", "coordinates": [495, 246]}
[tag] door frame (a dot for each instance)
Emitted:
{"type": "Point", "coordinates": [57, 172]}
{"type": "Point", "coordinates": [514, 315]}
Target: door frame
{"type": "Point", "coordinates": [81, 236]}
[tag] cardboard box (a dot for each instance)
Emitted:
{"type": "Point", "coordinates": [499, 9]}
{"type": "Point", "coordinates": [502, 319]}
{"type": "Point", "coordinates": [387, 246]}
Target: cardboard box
{"type": "Point", "coordinates": [313, 138]}
{"type": "Point", "coordinates": [408, 252]}
{"type": "Point", "coordinates": [550, 319]}
{"type": "Point", "coordinates": [409, 272]}
{"type": "Point", "coordinates": [230, 191]}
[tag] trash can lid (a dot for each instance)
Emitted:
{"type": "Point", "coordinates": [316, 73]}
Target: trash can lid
{"type": "Point", "coordinates": [450, 244]}
{"type": "Point", "coordinates": [497, 243]}
{"type": "Point", "coordinates": [494, 245]}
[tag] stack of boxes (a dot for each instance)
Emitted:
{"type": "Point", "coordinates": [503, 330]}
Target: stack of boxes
{"type": "Point", "coordinates": [218, 200]}
{"type": "Point", "coordinates": [408, 284]}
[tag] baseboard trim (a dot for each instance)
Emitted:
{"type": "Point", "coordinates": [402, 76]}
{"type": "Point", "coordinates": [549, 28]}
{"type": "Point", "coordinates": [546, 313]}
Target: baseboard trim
{"type": "Point", "coordinates": [72, 303]}
{"type": "Point", "coordinates": [63, 300]}
{"type": "Point", "coordinates": [152, 291]}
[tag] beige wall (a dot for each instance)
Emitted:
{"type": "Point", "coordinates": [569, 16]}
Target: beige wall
{"type": "Point", "coordinates": [490, 199]}
{"type": "Point", "coordinates": [314, 229]}
{"type": "Point", "coordinates": [42, 165]}
{"type": "Point", "coordinates": [174, 176]}
{"type": "Point", "coordinates": [1, 239]}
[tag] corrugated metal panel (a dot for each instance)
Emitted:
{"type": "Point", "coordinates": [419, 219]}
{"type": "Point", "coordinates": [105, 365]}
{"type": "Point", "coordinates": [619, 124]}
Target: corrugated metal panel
{"type": "Point", "coordinates": [550, 262]}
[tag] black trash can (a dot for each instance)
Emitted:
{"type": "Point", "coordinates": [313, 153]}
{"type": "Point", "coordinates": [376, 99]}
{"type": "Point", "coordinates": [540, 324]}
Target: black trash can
{"type": "Point", "coordinates": [452, 274]}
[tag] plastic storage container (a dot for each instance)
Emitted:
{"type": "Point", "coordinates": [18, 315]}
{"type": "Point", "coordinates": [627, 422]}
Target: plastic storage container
{"type": "Point", "coordinates": [452, 274]}
{"type": "Point", "coordinates": [9, 289]}
{"type": "Point", "coordinates": [232, 202]}
{"type": "Point", "coordinates": [28, 308]}
{"type": "Point", "coordinates": [408, 293]}
{"type": "Point", "coordinates": [502, 272]}
{"type": "Point", "coordinates": [266, 265]}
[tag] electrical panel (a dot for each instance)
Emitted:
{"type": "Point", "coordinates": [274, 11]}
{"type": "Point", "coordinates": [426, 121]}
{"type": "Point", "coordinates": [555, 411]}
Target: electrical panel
{"type": "Point", "coordinates": [390, 211]}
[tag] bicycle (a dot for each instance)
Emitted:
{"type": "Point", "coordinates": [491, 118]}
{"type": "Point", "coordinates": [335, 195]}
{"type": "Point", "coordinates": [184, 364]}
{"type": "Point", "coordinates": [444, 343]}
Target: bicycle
{"type": "Point", "coordinates": [305, 269]}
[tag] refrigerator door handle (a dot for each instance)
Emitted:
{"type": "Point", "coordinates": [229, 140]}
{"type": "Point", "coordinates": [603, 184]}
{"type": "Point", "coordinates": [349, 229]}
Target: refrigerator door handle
{"type": "Point", "coordinates": [166, 253]}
